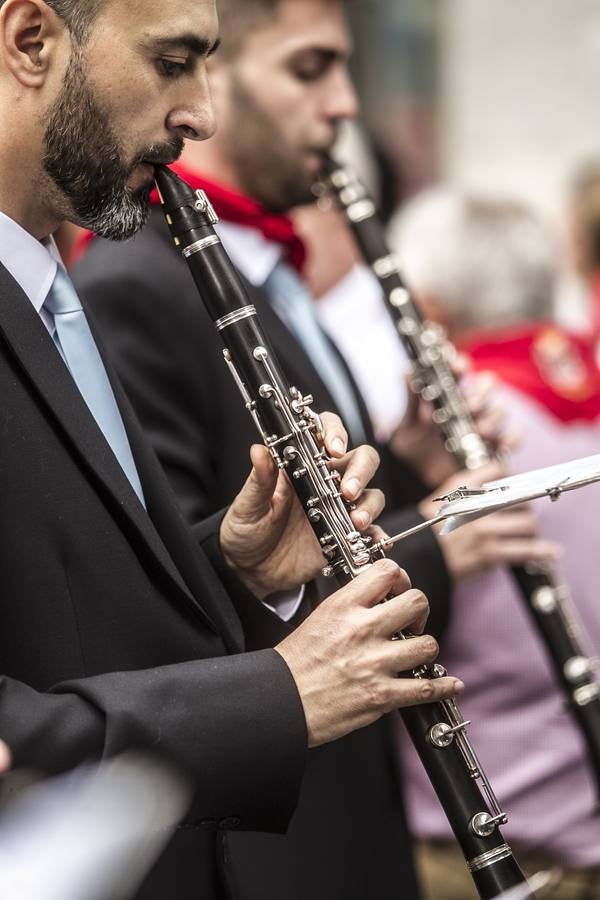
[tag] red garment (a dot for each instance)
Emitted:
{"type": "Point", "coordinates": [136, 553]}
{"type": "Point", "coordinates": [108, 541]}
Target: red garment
{"type": "Point", "coordinates": [234, 207]}
{"type": "Point", "coordinates": [556, 369]}
{"type": "Point", "coordinates": [595, 307]}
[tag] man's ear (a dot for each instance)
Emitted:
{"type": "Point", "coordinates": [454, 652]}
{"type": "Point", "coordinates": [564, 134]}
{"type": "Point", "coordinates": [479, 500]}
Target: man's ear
{"type": "Point", "coordinates": [29, 33]}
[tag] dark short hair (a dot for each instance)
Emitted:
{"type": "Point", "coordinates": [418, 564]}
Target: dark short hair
{"type": "Point", "coordinates": [79, 15]}
{"type": "Point", "coordinates": [237, 18]}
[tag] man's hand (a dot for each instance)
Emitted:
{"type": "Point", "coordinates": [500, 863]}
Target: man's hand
{"type": "Point", "coordinates": [505, 538]}
{"type": "Point", "coordinates": [508, 537]}
{"type": "Point", "coordinates": [5, 759]}
{"type": "Point", "coordinates": [265, 535]}
{"type": "Point", "coordinates": [345, 664]}
{"type": "Point", "coordinates": [419, 441]}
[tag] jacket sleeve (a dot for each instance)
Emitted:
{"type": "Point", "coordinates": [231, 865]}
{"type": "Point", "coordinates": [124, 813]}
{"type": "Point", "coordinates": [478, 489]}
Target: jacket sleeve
{"type": "Point", "coordinates": [235, 724]}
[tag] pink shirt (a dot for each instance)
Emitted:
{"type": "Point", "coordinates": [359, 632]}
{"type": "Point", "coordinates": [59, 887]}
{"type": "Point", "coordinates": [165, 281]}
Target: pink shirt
{"type": "Point", "coordinates": [527, 742]}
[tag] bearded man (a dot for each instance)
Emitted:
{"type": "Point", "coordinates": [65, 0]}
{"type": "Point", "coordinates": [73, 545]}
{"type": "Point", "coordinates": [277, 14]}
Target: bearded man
{"type": "Point", "coordinates": [119, 625]}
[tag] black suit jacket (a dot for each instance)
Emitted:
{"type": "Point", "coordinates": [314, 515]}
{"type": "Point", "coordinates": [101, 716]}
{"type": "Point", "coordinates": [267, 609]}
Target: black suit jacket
{"type": "Point", "coordinates": [117, 629]}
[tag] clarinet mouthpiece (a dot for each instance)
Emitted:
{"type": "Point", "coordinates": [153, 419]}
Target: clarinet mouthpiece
{"type": "Point", "coordinates": [174, 192]}
{"type": "Point", "coordinates": [189, 213]}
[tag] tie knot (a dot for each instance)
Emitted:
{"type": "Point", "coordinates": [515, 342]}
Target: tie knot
{"type": "Point", "coordinates": [62, 297]}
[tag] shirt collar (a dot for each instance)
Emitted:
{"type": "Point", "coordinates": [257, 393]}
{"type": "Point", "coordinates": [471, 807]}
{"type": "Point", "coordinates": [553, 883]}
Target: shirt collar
{"type": "Point", "coordinates": [31, 263]}
{"type": "Point", "coordinates": [250, 251]}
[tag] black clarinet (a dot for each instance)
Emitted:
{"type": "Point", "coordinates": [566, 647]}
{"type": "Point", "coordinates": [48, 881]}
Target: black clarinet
{"type": "Point", "coordinates": [546, 599]}
{"type": "Point", "coordinates": [292, 432]}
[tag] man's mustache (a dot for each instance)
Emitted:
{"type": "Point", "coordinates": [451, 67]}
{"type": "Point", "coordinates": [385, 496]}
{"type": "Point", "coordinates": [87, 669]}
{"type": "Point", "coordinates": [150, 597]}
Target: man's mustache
{"type": "Point", "coordinates": [160, 154]}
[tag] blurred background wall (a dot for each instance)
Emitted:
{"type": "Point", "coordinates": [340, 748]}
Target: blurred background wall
{"type": "Point", "coordinates": [483, 93]}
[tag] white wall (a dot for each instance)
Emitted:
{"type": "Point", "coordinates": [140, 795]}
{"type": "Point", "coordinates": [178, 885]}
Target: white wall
{"type": "Point", "coordinates": [520, 93]}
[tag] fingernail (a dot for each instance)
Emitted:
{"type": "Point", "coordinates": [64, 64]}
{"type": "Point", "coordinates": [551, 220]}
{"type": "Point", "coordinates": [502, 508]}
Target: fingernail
{"type": "Point", "coordinates": [352, 487]}
{"type": "Point", "coordinates": [459, 686]}
{"type": "Point", "coordinates": [337, 444]}
{"type": "Point", "coordinates": [362, 520]}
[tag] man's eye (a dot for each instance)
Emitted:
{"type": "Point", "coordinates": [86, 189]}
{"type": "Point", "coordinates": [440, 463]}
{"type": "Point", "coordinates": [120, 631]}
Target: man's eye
{"type": "Point", "coordinates": [312, 66]}
{"type": "Point", "coordinates": [309, 72]}
{"type": "Point", "coordinates": [171, 68]}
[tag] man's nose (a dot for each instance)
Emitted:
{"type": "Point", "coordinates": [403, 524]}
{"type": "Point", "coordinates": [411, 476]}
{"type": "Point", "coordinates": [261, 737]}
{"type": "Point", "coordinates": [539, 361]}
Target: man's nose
{"type": "Point", "coordinates": [193, 118]}
{"type": "Point", "coordinates": [342, 101]}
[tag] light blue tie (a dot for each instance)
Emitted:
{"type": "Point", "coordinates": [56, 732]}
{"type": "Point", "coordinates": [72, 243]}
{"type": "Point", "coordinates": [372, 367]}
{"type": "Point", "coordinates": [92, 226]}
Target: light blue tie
{"type": "Point", "coordinates": [78, 349]}
{"type": "Point", "coordinates": [293, 304]}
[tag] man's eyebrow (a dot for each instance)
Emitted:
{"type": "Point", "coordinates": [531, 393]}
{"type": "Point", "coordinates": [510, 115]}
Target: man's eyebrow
{"type": "Point", "coordinates": [196, 45]}
{"type": "Point", "coordinates": [327, 54]}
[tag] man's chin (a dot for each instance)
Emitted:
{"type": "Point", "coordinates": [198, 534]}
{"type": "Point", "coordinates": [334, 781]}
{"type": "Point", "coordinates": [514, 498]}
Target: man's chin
{"type": "Point", "coordinates": [141, 178]}
{"type": "Point", "coordinates": [124, 223]}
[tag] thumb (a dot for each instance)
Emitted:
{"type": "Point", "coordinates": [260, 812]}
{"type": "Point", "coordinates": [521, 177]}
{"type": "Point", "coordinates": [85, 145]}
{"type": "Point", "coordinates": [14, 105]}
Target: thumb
{"type": "Point", "coordinates": [254, 500]}
{"type": "Point", "coordinates": [5, 758]}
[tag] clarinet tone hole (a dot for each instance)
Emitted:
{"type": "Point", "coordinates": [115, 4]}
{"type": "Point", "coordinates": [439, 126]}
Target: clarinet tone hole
{"type": "Point", "coordinates": [544, 600]}
{"type": "Point", "coordinates": [482, 824]}
{"type": "Point", "coordinates": [441, 735]}
{"type": "Point", "coordinates": [577, 667]}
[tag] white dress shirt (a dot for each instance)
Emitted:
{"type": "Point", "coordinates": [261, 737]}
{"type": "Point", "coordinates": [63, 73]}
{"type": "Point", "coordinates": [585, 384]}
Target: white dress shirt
{"type": "Point", "coordinates": [354, 314]}
{"type": "Point", "coordinates": [31, 263]}
{"type": "Point", "coordinates": [250, 251]}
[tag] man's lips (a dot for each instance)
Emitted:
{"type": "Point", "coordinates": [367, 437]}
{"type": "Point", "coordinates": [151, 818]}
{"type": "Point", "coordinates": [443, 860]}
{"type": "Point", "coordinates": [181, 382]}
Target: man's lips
{"type": "Point", "coordinates": [321, 152]}
{"type": "Point", "coordinates": [315, 159]}
{"type": "Point", "coordinates": [165, 161]}
{"type": "Point", "coordinates": [151, 164]}
{"type": "Point", "coordinates": [148, 168]}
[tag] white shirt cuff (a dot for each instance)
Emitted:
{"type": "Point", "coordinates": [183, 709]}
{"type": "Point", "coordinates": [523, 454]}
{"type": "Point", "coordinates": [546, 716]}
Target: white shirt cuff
{"type": "Point", "coordinates": [285, 604]}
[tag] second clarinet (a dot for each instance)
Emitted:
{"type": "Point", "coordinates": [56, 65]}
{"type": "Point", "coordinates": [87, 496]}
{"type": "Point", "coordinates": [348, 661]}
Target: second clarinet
{"type": "Point", "coordinates": [546, 599]}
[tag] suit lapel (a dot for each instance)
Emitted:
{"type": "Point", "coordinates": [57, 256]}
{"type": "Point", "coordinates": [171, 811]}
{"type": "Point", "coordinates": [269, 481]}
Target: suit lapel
{"type": "Point", "coordinates": [175, 535]}
{"type": "Point", "coordinates": [32, 347]}
{"type": "Point", "coordinates": [295, 361]}
{"type": "Point", "coordinates": [298, 365]}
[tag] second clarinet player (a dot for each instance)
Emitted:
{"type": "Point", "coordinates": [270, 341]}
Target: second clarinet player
{"type": "Point", "coordinates": [546, 599]}
{"type": "Point", "coordinates": [290, 429]}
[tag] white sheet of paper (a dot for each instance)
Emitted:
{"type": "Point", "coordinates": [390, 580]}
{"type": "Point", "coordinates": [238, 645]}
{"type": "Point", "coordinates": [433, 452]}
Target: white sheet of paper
{"type": "Point", "coordinates": [89, 835]}
{"type": "Point", "coordinates": [548, 482]}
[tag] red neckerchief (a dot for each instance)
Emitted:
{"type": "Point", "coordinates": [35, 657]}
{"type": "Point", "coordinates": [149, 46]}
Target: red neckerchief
{"type": "Point", "coordinates": [595, 310]}
{"type": "Point", "coordinates": [556, 369]}
{"type": "Point", "coordinates": [232, 207]}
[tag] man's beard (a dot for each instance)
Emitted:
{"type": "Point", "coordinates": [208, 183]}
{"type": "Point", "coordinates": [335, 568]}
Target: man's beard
{"type": "Point", "coordinates": [267, 169]}
{"type": "Point", "coordinates": [85, 161]}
